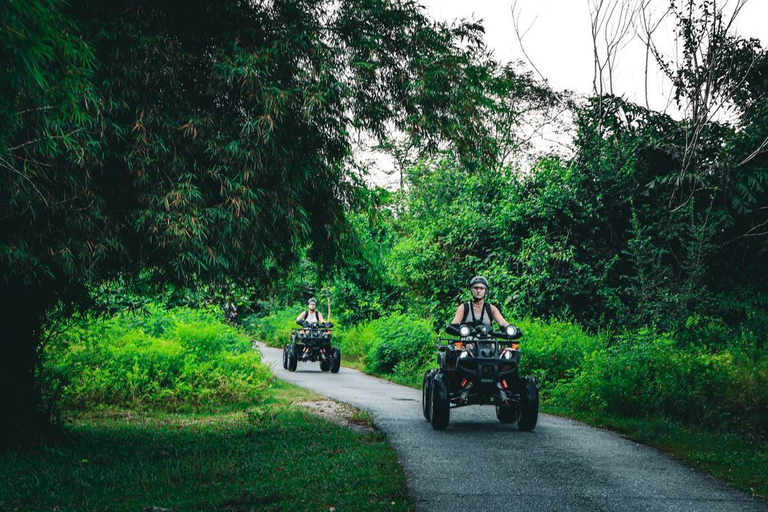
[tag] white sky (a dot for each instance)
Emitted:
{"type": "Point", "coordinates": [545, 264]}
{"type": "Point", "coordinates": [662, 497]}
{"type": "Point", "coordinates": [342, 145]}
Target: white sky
{"type": "Point", "coordinates": [558, 42]}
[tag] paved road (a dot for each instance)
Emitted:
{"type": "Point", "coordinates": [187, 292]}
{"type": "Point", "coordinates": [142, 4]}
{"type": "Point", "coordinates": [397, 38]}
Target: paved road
{"type": "Point", "coordinates": [479, 463]}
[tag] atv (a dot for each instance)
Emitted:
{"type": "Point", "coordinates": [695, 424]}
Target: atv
{"type": "Point", "coordinates": [312, 342]}
{"type": "Point", "coordinates": [480, 368]}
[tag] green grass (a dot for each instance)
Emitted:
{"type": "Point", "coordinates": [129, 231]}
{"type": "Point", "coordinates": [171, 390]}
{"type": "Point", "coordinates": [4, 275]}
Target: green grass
{"type": "Point", "coordinates": [274, 456]}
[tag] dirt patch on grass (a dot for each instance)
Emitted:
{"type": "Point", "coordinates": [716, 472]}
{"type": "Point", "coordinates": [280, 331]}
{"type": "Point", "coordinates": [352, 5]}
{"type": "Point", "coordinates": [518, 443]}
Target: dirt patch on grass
{"type": "Point", "coordinates": [341, 414]}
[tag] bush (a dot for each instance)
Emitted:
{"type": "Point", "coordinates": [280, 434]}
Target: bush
{"type": "Point", "coordinates": [173, 359]}
{"type": "Point", "coordinates": [356, 342]}
{"type": "Point", "coordinates": [554, 351]}
{"type": "Point", "coordinates": [400, 345]}
{"type": "Point", "coordinates": [275, 328]}
{"type": "Point", "coordinates": [646, 374]}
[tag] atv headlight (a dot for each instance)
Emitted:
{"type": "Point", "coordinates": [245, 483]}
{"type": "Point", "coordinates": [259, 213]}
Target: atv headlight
{"type": "Point", "coordinates": [464, 331]}
{"type": "Point", "coordinates": [511, 330]}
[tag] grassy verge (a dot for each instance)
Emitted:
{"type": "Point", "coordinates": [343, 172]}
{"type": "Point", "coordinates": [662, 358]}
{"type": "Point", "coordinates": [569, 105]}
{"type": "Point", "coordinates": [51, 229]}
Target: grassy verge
{"type": "Point", "coordinates": [355, 362]}
{"type": "Point", "coordinates": [274, 456]}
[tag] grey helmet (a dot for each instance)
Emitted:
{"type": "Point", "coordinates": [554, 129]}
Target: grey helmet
{"type": "Point", "coordinates": [478, 279]}
{"type": "Point", "coordinates": [311, 300]}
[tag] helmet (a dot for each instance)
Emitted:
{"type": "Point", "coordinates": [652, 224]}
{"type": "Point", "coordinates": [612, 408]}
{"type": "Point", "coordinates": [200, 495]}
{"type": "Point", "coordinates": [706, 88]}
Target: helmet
{"type": "Point", "coordinates": [311, 300]}
{"type": "Point", "coordinates": [478, 279]}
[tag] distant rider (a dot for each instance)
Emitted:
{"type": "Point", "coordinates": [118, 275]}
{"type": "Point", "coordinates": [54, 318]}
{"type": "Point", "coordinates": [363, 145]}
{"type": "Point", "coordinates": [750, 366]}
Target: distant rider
{"type": "Point", "coordinates": [477, 311]}
{"type": "Point", "coordinates": [312, 314]}
{"type": "Point", "coordinates": [230, 311]}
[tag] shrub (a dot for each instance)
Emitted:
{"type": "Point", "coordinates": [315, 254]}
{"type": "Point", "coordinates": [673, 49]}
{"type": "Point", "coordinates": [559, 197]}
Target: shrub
{"type": "Point", "coordinates": [356, 341]}
{"type": "Point", "coordinates": [554, 351]}
{"type": "Point", "coordinates": [275, 328]}
{"type": "Point", "coordinates": [399, 345]}
{"type": "Point", "coordinates": [174, 359]}
{"type": "Point", "coordinates": [646, 374]}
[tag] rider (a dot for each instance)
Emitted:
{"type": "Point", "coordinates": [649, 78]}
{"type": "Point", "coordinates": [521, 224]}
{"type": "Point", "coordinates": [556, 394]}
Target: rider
{"type": "Point", "coordinates": [312, 314]}
{"type": "Point", "coordinates": [477, 311]}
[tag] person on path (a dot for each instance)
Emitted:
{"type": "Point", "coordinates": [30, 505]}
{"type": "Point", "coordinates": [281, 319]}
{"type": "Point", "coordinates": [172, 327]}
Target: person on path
{"type": "Point", "coordinates": [312, 314]}
{"type": "Point", "coordinates": [477, 311]}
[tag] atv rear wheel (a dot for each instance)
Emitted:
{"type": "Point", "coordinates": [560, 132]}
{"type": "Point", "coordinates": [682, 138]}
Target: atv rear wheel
{"type": "Point", "coordinates": [335, 360]}
{"type": "Point", "coordinates": [440, 405]}
{"type": "Point", "coordinates": [529, 410]}
{"type": "Point", "coordinates": [507, 415]}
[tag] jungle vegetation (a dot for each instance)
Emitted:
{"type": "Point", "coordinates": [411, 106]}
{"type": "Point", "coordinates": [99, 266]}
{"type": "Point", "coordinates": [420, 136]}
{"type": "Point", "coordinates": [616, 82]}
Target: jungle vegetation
{"type": "Point", "coordinates": [171, 154]}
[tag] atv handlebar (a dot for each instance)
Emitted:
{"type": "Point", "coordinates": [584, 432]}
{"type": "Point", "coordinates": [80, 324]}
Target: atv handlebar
{"type": "Point", "coordinates": [452, 341]}
{"type": "Point", "coordinates": [314, 325]}
{"type": "Point", "coordinates": [511, 332]}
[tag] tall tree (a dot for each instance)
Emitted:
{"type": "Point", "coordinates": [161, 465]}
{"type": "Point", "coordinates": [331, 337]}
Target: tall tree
{"type": "Point", "coordinates": [215, 140]}
{"type": "Point", "coordinates": [45, 92]}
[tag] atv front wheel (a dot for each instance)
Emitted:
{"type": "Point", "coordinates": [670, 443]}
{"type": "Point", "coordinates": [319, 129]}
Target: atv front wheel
{"type": "Point", "coordinates": [426, 393]}
{"type": "Point", "coordinates": [325, 365]}
{"type": "Point", "coordinates": [285, 357]}
{"type": "Point", "coordinates": [529, 410]}
{"type": "Point", "coordinates": [292, 361]}
{"type": "Point", "coordinates": [440, 405]}
{"type": "Point", "coordinates": [336, 360]}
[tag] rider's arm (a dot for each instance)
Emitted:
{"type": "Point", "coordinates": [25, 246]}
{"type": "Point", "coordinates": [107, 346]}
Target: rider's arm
{"type": "Point", "coordinates": [301, 316]}
{"type": "Point", "coordinates": [320, 317]}
{"type": "Point", "coordinates": [497, 316]}
{"type": "Point", "coordinates": [459, 316]}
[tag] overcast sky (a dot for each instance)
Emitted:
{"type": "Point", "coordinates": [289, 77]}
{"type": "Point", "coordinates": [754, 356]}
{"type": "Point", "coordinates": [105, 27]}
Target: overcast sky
{"type": "Point", "coordinates": [559, 44]}
{"type": "Point", "coordinates": [558, 39]}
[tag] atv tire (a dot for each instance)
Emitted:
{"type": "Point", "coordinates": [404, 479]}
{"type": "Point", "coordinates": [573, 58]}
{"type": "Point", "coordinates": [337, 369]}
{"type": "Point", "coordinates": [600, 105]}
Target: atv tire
{"type": "Point", "coordinates": [507, 415]}
{"type": "Point", "coordinates": [440, 405]}
{"type": "Point", "coordinates": [529, 410]}
{"type": "Point", "coordinates": [325, 365]}
{"type": "Point", "coordinates": [285, 357]}
{"type": "Point", "coordinates": [292, 361]}
{"type": "Point", "coordinates": [426, 393]}
{"type": "Point", "coordinates": [335, 360]}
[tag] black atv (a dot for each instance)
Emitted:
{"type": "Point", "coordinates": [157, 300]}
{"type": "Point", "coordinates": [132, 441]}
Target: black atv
{"type": "Point", "coordinates": [312, 342]}
{"type": "Point", "coordinates": [480, 368]}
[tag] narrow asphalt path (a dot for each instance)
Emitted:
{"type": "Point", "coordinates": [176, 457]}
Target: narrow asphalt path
{"type": "Point", "coordinates": [481, 464]}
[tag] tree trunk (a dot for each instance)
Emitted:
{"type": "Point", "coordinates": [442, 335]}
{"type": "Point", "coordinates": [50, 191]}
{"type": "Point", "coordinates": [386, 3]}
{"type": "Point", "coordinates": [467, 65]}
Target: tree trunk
{"type": "Point", "coordinates": [22, 417]}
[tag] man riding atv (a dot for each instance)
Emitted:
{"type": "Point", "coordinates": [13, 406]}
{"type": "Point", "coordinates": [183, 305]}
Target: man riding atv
{"type": "Point", "coordinates": [481, 367]}
{"type": "Point", "coordinates": [312, 342]}
{"type": "Point", "coordinates": [312, 315]}
{"type": "Point", "coordinates": [479, 311]}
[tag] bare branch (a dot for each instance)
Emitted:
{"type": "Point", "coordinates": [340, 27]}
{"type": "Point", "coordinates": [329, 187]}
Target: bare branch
{"type": "Point", "coordinates": [756, 152]}
{"type": "Point", "coordinates": [7, 165]}
{"type": "Point", "coordinates": [520, 35]}
{"type": "Point", "coordinates": [34, 141]}
{"type": "Point", "coordinates": [611, 25]}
